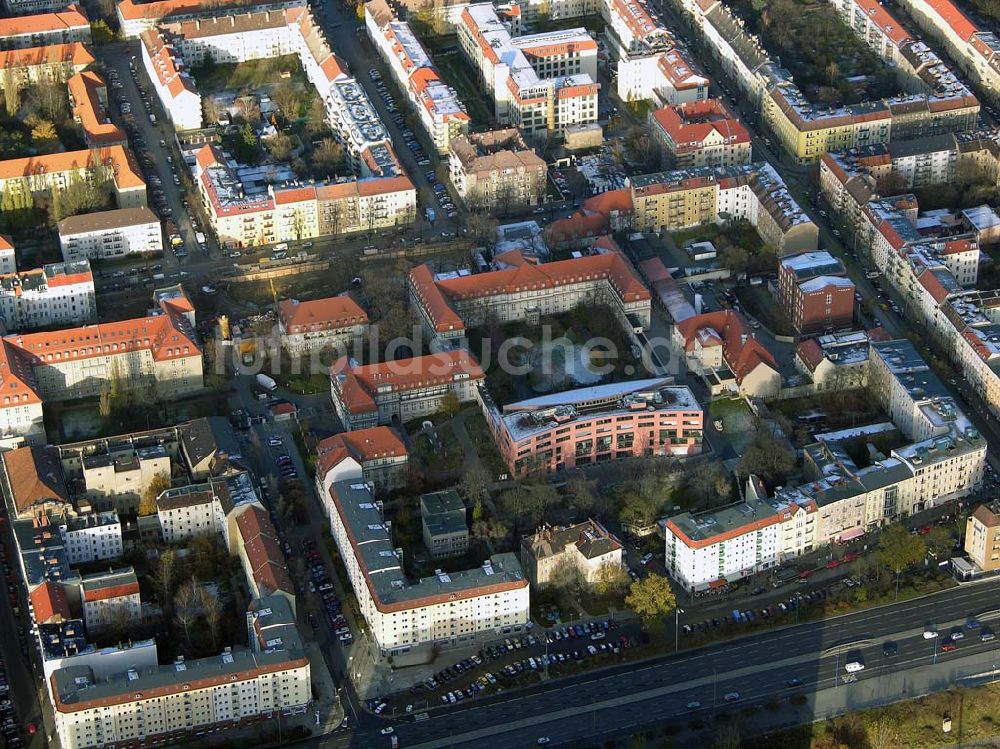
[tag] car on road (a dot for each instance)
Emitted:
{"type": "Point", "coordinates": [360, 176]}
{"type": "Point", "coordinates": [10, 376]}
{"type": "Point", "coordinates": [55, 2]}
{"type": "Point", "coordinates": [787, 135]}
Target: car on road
{"type": "Point", "coordinates": [695, 705]}
{"type": "Point", "coordinates": [833, 564]}
{"type": "Point", "coordinates": [854, 666]}
{"type": "Point", "coordinates": [543, 740]}
{"type": "Point", "coordinates": [731, 697]}
{"type": "Point", "coordinates": [387, 730]}
{"type": "Point", "coordinates": [957, 634]}
{"type": "Point", "coordinates": [889, 649]}
{"type": "Point", "coordinates": [794, 682]}
{"type": "Point", "coordinates": [930, 634]}
{"type": "Point", "coordinates": [973, 623]}
{"type": "Point", "coordinates": [987, 635]}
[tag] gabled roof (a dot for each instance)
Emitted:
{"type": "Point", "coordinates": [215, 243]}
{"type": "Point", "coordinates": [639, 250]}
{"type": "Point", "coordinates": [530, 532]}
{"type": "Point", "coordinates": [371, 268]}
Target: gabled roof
{"type": "Point", "coordinates": [72, 53]}
{"type": "Point", "coordinates": [331, 313]}
{"type": "Point", "coordinates": [49, 603]}
{"type": "Point", "coordinates": [363, 445]}
{"type": "Point", "coordinates": [70, 18]}
{"type": "Point", "coordinates": [741, 351]}
{"type": "Point", "coordinates": [34, 474]}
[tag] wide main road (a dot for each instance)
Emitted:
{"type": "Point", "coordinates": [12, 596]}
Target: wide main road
{"type": "Point", "coordinates": [758, 667]}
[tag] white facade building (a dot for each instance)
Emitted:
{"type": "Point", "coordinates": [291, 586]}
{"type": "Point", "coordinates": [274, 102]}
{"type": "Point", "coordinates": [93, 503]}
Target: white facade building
{"type": "Point", "coordinates": [92, 537]}
{"type": "Point", "coordinates": [59, 294]}
{"type": "Point", "coordinates": [452, 609]}
{"type": "Point", "coordinates": [110, 234]}
{"type": "Point", "coordinates": [111, 599]}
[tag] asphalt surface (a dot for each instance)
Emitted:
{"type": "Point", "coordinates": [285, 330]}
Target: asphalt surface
{"type": "Point", "coordinates": [622, 698]}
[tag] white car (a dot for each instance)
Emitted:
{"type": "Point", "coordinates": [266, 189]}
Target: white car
{"type": "Point", "coordinates": [732, 697]}
{"type": "Point", "coordinates": [930, 634]}
{"type": "Point", "coordinates": [386, 731]}
{"type": "Point", "coordinates": [694, 705]}
{"type": "Point", "coordinates": [854, 666]}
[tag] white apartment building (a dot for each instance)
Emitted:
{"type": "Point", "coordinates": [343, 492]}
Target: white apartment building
{"type": "Point", "coordinates": [64, 25]}
{"type": "Point", "coordinates": [26, 7]}
{"type": "Point", "coordinates": [53, 295]}
{"type": "Point", "coordinates": [441, 112]}
{"type": "Point", "coordinates": [173, 703]}
{"type": "Point", "coordinates": [497, 170]}
{"type": "Point", "coordinates": [92, 537]}
{"type": "Point", "coordinates": [208, 507]}
{"type": "Point", "coordinates": [365, 396]}
{"type": "Point", "coordinates": [724, 545]}
{"type": "Point", "coordinates": [651, 63]}
{"type": "Point", "coordinates": [445, 609]}
{"type": "Point", "coordinates": [110, 599]}
{"type": "Point", "coordinates": [110, 234]}
{"type": "Point", "coordinates": [172, 84]}
{"type": "Point", "coordinates": [541, 83]}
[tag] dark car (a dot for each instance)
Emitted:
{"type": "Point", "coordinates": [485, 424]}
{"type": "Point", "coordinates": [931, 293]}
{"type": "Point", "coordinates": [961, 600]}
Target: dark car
{"type": "Point", "coordinates": [889, 649]}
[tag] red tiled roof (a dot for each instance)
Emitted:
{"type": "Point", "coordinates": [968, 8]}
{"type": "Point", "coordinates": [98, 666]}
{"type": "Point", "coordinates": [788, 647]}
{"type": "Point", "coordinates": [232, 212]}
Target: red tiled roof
{"type": "Point", "coordinates": [49, 603]}
{"type": "Point", "coordinates": [358, 384]}
{"type": "Point", "coordinates": [72, 53]}
{"type": "Point", "coordinates": [742, 356]}
{"type": "Point", "coordinates": [85, 93]}
{"type": "Point", "coordinates": [810, 353]}
{"type": "Point", "coordinates": [34, 474]}
{"type": "Point", "coordinates": [363, 445]}
{"type": "Point", "coordinates": [689, 125]}
{"type": "Point", "coordinates": [436, 296]}
{"type": "Point", "coordinates": [263, 552]}
{"type": "Point", "coordinates": [70, 18]}
{"type": "Point", "coordinates": [112, 591]}
{"type": "Point", "coordinates": [955, 18]}
{"type": "Point", "coordinates": [331, 313]}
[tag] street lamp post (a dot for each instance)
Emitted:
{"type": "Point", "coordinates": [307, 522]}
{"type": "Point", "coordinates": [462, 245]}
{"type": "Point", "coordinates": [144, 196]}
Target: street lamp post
{"type": "Point", "coordinates": [677, 630]}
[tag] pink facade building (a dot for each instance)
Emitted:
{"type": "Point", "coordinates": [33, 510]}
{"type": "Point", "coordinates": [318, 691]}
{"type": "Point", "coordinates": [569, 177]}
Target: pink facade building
{"type": "Point", "coordinates": [595, 425]}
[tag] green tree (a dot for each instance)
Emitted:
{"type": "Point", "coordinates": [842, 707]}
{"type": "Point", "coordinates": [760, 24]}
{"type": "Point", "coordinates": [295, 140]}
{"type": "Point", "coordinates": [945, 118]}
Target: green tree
{"type": "Point", "coordinates": [639, 510]}
{"type": "Point", "coordinates": [100, 32]}
{"type": "Point", "coordinates": [899, 550]}
{"type": "Point", "coordinates": [652, 599]}
{"type": "Point", "coordinates": [580, 493]}
{"type": "Point", "coordinates": [610, 579]}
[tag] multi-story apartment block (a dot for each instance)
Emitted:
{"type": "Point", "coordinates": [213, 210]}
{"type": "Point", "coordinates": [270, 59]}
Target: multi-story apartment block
{"type": "Point", "coordinates": [298, 212]}
{"type": "Point", "coordinates": [39, 175]}
{"type": "Point", "coordinates": [59, 27]}
{"type": "Point", "coordinates": [700, 133]}
{"type": "Point", "coordinates": [208, 507]}
{"type": "Point", "coordinates": [376, 456]}
{"type": "Point", "coordinates": [982, 538]}
{"type": "Point", "coordinates": [334, 322]}
{"type": "Point", "coordinates": [111, 599]}
{"type": "Point", "coordinates": [525, 291]}
{"type": "Point", "coordinates": [939, 102]}
{"type": "Point", "coordinates": [443, 524]}
{"type": "Point", "coordinates": [586, 546]}
{"type": "Point", "coordinates": [720, 347]}
{"type": "Point", "coordinates": [725, 545]}
{"type": "Point", "coordinates": [88, 99]}
{"type": "Point", "coordinates": [642, 418]}
{"type": "Point", "coordinates": [976, 50]}
{"type": "Point", "coordinates": [402, 615]}
{"type": "Point", "coordinates": [651, 63]}
{"type": "Point", "coordinates": [52, 63]}
{"type": "Point", "coordinates": [674, 200]}
{"type": "Point", "coordinates": [372, 394]}
{"type": "Point", "coordinates": [497, 170]}
{"type": "Point", "coordinates": [53, 295]}
{"type": "Point", "coordinates": [815, 292]}
{"type": "Point", "coordinates": [159, 351]}
{"type": "Point", "coordinates": [136, 16]}
{"type": "Point", "coordinates": [173, 703]}
{"type": "Point", "coordinates": [540, 83]}
{"type": "Point", "coordinates": [110, 234]}
{"type": "Point", "coordinates": [95, 536]}
{"type": "Point", "coordinates": [441, 112]}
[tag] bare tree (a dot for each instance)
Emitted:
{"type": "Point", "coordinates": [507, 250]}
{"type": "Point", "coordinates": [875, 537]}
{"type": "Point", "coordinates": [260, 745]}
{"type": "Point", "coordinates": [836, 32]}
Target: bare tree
{"type": "Point", "coordinates": [186, 606]}
{"type": "Point", "coordinates": [212, 609]}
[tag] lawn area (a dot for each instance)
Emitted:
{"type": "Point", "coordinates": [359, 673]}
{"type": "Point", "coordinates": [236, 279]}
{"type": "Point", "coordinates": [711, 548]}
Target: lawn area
{"type": "Point", "coordinates": [457, 73]}
{"type": "Point", "coordinates": [444, 455]}
{"type": "Point", "coordinates": [828, 61]}
{"type": "Point", "coordinates": [841, 410]}
{"type": "Point", "coordinates": [252, 74]}
{"type": "Point", "coordinates": [479, 432]}
{"type": "Point", "coordinates": [759, 303]}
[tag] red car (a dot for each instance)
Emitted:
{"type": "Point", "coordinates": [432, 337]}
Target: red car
{"type": "Point", "coordinates": [850, 557]}
{"type": "Point", "coordinates": [925, 530]}
{"type": "Point", "coordinates": [805, 574]}
{"type": "Point", "coordinates": [948, 645]}
{"type": "Point", "coordinates": [833, 564]}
